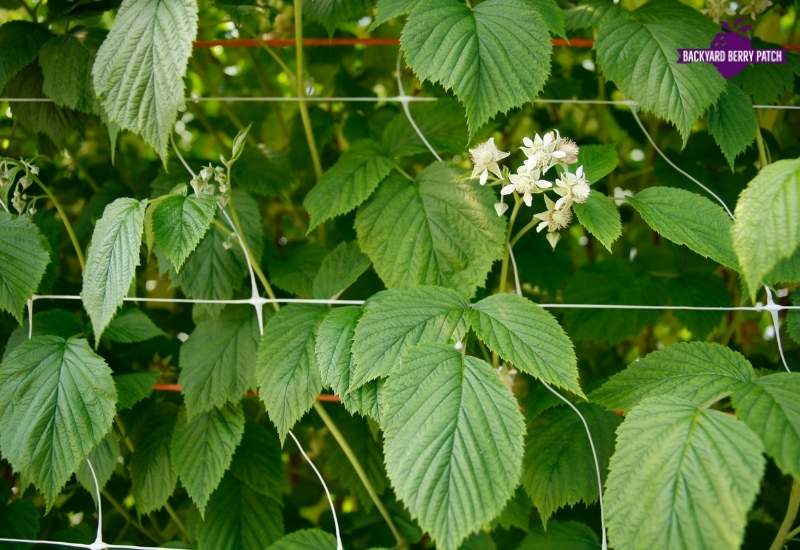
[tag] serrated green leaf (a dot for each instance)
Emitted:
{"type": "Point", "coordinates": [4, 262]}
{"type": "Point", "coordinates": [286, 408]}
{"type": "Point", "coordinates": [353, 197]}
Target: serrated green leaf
{"type": "Point", "coordinates": [688, 219]}
{"type": "Point", "coordinates": [19, 520]}
{"type": "Point", "coordinates": [698, 289]}
{"type": "Point", "coordinates": [287, 372]}
{"type": "Point", "coordinates": [770, 407]}
{"type": "Point", "coordinates": [218, 361]}
{"type": "Point", "coordinates": [681, 478]}
{"type": "Point", "coordinates": [589, 13]}
{"type": "Point", "coordinates": [438, 410]}
{"type": "Point", "coordinates": [203, 447]}
{"type": "Point", "coordinates": [23, 259]}
{"type": "Point", "coordinates": [57, 402]}
{"type": "Point", "coordinates": [561, 535]}
{"type": "Point", "coordinates": [558, 469]}
{"type": "Point", "coordinates": [451, 234]}
{"type": "Point", "coordinates": [441, 122]}
{"type": "Point", "coordinates": [599, 215]}
{"type": "Point", "coordinates": [333, 12]}
{"type": "Point", "coordinates": [638, 51]}
{"type": "Point", "coordinates": [134, 387]}
{"type": "Point", "coordinates": [20, 42]}
{"type": "Point", "coordinates": [527, 336]}
{"type": "Point", "coordinates": [516, 513]}
{"type": "Point", "coordinates": [348, 183]}
{"type": "Point", "coordinates": [395, 320]}
{"type": "Point", "coordinates": [389, 9]}
{"type": "Point", "coordinates": [766, 83]}
{"type": "Point", "coordinates": [112, 260]}
{"type": "Point", "coordinates": [732, 122]}
{"type": "Point", "coordinates": [306, 539]}
{"type": "Point", "coordinates": [179, 224]}
{"type": "Point", "coordinates": [139, 69]}
{"type": "Point", "coordinates": [468, 50]}
{"type": "Point", "coordinates": [53, 322]}
{"type": "Point", "coordinates": [152, 466]}
{"type": "Point", "coordinates": [296, 270]}
{"type": "Point", "coordinates": [767, 226]}
{"type": "Point", "coordinates": [552, 14]}
{"type": "Point", "coordinates": [341, 268]}
{"type": "Point", "coordinates": [598, 161]}
{"type": "Point", "coordinates": [67, 68]}
{"type": "Point", "coordinates": [104, 459]}
{"type": "Point", "coordinates": [697, 372]}
{"type": "Point", "coordinates": [257, 462]}
{"type": "Point", "coordinates": [130, 326]}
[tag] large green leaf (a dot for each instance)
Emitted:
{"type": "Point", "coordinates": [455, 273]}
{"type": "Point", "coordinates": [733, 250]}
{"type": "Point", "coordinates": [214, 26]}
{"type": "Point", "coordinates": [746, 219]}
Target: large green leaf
{"type": "Point", "coordinates": [600, 217]}
{"type": "Point", "coordinates": [112, 260]}
{"type": "Point", "coordinates": [130, 326]}
{"type": "Point", "coordinates": [638, 51]}
{"type": "Point", "coordinates": [104, 459]}
{"type": "Point", "coordinates": [389, 9]}
{"type": "Point", "coordinates": [339, 269]}
{"type": "Point", "coordinates": [771, 408]}
{"type": "Point", "coordinates": [450, 234]}
{"type": "Point", "coordinates": [495, 56]}
{"type": "Point", "coordinates": [134, 387]}
{"type": "Point", "coordinates": [180, 222]}
{"type": "Point", "coordinates": [296, 270]}
{"type": "Point", "coordinates": [332, 12]}
{"type": "Point", "coordinates": [681, 477]}
{"type": "Point", "coordinates": [20, 42]}
{"type": "Point", "coordinates": [257, 462]}
{"type": "Point", "coordinates": [152, 467]}
{"type": "Point", "coordinates": [561, 535]}
{"type": "Point", "coordinates": [218, 361]}
{"type": "Point", "coordinates": [395, 320]}
{"type": "Point", "coordinates": [306, 539]}
{"type": "Point", "coordinates": [287, 372]}
{"type": "Point", "coordinates": [203, 447]}
{"type": "Point", "coordinates": [698, 372]}
{"type": "Point", "coordinates": [767, 226]}
{"type": "Point", "coordinates": [732, 122]}
{"type": "Point", "coordinates": [67, 68]}
{"type": "Point", "coordinates": [441, 122]}
{"type": "Point", "coordinates": [348, 183]}
{"type": "Point", "coordinates": [527, 336]}
{"type": "Point", "coordinates": [139, 69]}
{"type": "Point", "coordinates": [558, 468]}
{"type": "Point", "coordinates": [23, 259]}
{"type": "Point", "coordinates": [598, 161]}
{"type": "Point", "coordinates": [57, 402]}
{"type": "Point", "coordinates": [453, 441]}
{"type": "Point", "coordinates": [688, 219]}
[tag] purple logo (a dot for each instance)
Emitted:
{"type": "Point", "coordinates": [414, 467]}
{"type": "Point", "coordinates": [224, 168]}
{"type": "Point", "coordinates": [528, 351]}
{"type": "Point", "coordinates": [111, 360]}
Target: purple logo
{"type": "Point", "coordinates": [731, 51]}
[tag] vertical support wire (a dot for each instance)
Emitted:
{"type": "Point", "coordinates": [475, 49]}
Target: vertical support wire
{"type": "Point", "coordinates": [404, 101]}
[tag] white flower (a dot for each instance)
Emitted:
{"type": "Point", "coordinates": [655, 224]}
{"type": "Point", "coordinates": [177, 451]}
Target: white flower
{"type": "Point", "coordinates": [572, 188]}
{"type": "Point", "coordinates": [566, 150]}
{"type": "Point", "coordinates": [526, 182]}
{"type": "Point", "coordinates": [484, 160]}
{"type": "Point", "coordinates": [717, 9]}
{"type": "Point", "coordinates": [620, 195]}
{"type": "Point", "coordinates": [553, 218]}
{"type": "Point", "coordinates": [755, 8]}
{"type": "Point", "coordinates": [545, 151]}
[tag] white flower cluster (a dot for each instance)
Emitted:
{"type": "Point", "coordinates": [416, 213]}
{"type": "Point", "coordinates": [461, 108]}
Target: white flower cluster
{"type": "Point", "coordinates": [17, 177]}
{"type": "Point", "coordinates": [211, 180]}
{"type": "Point", "coordinates": [720, 9]}
{"type": "Point", "coordinates": [542, 153]}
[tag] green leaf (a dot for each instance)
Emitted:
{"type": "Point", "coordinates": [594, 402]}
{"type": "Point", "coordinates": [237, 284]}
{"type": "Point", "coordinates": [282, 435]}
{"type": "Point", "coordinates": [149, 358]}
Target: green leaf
{"type": "Point", "coordinates": [134, 387]}
{"type": "Point", "coordinates": [23, 259]}
{"type": "Point", "coordinates": [104, 459]}
{"type": "Point", "coordinates": [395, 320]}
{"type": "Point", "coordinates": [19, 520]}
{"type": "Point", "coordinates": [306, 539]}
{"type": "Point", "coordinates": [697, 372]}
{"type": "Point", "coordinates": [527, 336]}
{"type": "Point", "coordinates": [552, 14]}
{"type": "Point", "coordinates": [767, 226]}
{"type": "Point", "coordinates": [598, 161]}
{"type": "Point", "coordinates": [348, 183]}
{"type": "Point", "coordinates": [152, 466]}
{"type": "Point", "coordinates": [441, 122]}
{"type": "Point", "coordinates": [681, 478]}
{"type": "Point", "coordinates": [698, 289]}
{"type": "Point", "coordinates": [296, 271]}
{"type": "Point", "coordinates": [766, 83]}
{"type": "Point", "coordinates": [769, 406]}
{"type": "Point", "coordinates": [20, 42]}
{"type": "Point", "coordinates": [257, 462]}
{"type": "Point", "coordinates": [390, 9]}
{"type": "Point", "coordinates": [67, 68]}
{"type": "Point", "coordinates": [589, 13]}
{"type": "Point", "coordinates": [218, 361]}
{"type": "Point", "coordinates": [600, 217]}
{"type": "Point", "coordinates": [239, 518]}
{"type": "Point", "coordinates": [202, 449]}
{"type": "Point", "coordinates": [131, 326]}
{"type": "Point", "coordinates": [287, 372]}
{"type": "Point", "coordinates": [561, 535]}
{"type": "Point", "coordinates": [638, 51]}
{"type": "Point", "coordinates": [339, 270]}
{"type": "Point", "coordinates": [446, 416]}
{"type": "Point", "coordinates": [57, 402]}
{"type": "Point", "coordinates": [468, 50]}
{"type": "Point", "coordinates": [179, 224]}
{"type": "Point", "coordinates": [333, 12]}
{"type": "Point", "coordinates": [558, 468]}
{"type": "Point", "coordinates": [688, 219]}
{"type": "Point", "coordinates": [53, 322]}
{"type": "Point", "coordinates": [451, 234]}
{"type": "Point", "coordinates": [139, 69]}
{"type": "Point", "coordinates": [112, 260]}
{"type": "Point", "coordinates": [732, 122]}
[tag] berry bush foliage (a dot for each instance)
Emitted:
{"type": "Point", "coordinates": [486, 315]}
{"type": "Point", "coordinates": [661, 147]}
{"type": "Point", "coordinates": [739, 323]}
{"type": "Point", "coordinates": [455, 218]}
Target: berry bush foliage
{"type": "Point", "coordinates": [217, 263]}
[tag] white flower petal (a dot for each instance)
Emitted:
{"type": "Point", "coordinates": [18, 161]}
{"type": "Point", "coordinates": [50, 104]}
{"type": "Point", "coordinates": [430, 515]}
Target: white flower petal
{"type": "Point", "coordinates": [507, 189]}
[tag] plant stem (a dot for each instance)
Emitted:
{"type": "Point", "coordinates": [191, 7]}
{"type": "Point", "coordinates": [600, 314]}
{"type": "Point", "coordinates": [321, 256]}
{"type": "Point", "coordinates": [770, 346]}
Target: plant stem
{"type": "Point", "coordinates": [128, 518]}
{"type": "Point", "coordinates": [301, 91]}
{"type": "Point", "coordinates": [504, 265]}
{"type": "Point", "coordinates": [348, 452]}
{"type": "Point", "coordinates": [763, 158]}
{"type": "Point", "coordinates": [788, 519]}
{"type": "Point", "coordinates": [177, 520]}
{"type": "Point", "coordinates": [65, 220]}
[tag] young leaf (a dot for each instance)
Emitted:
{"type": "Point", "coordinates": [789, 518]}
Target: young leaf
{"type": "Point", "coordinates": [23, 259]}
{"type": "Point", "coordinates": [134, 387]}
{"type": "Point", "coordinates": [451, 234]}
{"type": "Point", "coordinates": [152, 466]}
{"type": "Point", "coordinates": [600, 217]}
{"type": "Point", "coordinates": [287, 372]}
{"type": "Point", "coordinates": [67, 68]}
{"type": "Point", "coordinates": [732, 122]}
{"type": "Point", "coordinates": [767, 226]}
{"type": "Point", "coordinates": [202, 449]}
{"type": "Point", "coordinates": [681, 477]}
{"type": "Point", "coordinates": [180, 222]}
{"type": "Point", "coordinates": [305, 539]}
{"type": "Point", "coordinates": [495, 56]}
{"type": "Point", "coordinates": [561, 535]}
{"type": "Point", "coordinates": [527, 336]}
{"type": "Point", "coordinates": [598, 161]}
{"type": "Point", "coordinates": [769, 406]}
{"type": "Point", "coordinates": [697, 372]}
{"type": "Point", "coordinates": [131, 326]}
{"type": "Point", "coordinates": [139, 69]}
{"type": "Point", "coordinates": [20, 42]}
{"type": "Point", "coordinates": [112, 260]}
{"type": "Point", "coordinates": [439, 409]}
{"type": "Point", "coordinates": [57, 402]}
{"type": "Point", "coordinates": [341, 268]}
{"type": "Point", "coordinates": [688, 219]}
{"type": "Point", "coordinates": [348, 183]}
{"type": "Point", "coordinates": [218, 361]}
{"type": "Point", "coordinates": [395, 320]}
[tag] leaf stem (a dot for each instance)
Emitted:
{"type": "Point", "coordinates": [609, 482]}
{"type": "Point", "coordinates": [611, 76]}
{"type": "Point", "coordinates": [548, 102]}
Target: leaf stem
{"type": "Point", "coordinates": [784, 532]}
{"type": "Point", "coordinates": [177, 520]}
{"type": "Point", "coordinates": [763, 157]}
{"type": "Point", "coordinates": [128, 518]}
{"type": "Point", "coordinates": [348, 452]}
{"type": "Point", "coordinates": [64, 220]}
{"type": "Point", "coordinates": [301, 91]}
{"type": "Point", "coordinates": [504, 265]}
